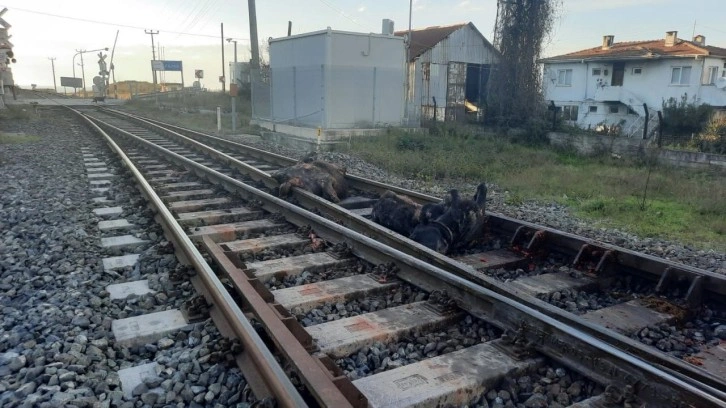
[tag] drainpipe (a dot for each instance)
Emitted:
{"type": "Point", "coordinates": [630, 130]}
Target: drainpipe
{"type": "Point", "coordinates": [700, 81]}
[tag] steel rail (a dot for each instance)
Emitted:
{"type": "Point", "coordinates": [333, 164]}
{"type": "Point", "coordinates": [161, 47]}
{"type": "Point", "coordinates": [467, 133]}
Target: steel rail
{"type": "Point", "coordinates": [274, 377]}
{"type": "Point", "coordinates": [562, 342]}
{"type": "Point", "coordinates": [313, 374]}
{"type": "Point", "coordinates": [562, 241]}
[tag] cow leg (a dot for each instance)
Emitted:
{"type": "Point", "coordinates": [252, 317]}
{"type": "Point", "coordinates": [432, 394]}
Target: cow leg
{"type": "Point", "coordinates": [329, 190]}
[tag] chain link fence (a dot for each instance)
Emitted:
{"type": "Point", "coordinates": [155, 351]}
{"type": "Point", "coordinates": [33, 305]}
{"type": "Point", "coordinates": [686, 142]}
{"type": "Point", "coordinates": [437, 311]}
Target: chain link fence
{"type": "Point", "coordinates": [331, 98]}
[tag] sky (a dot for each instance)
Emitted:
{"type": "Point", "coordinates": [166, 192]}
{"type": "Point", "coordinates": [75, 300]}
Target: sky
{"type": "Point", "coordinates": [189, 30]}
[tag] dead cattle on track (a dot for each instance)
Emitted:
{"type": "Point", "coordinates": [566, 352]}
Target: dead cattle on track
{"type": "Point", "coordinates": [451, 224]}
{"type": "Point", "coordinates": [323, 179]}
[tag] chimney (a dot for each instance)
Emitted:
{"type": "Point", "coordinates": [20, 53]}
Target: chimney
{"type": "Point", "coordinates": [607, 41]}
{"type": "Point", "coordinates": [387, 27]}
{"type": "Point", "coordinates": [700, 40]}
{"type": "Point", "coordinates": [670, 38]}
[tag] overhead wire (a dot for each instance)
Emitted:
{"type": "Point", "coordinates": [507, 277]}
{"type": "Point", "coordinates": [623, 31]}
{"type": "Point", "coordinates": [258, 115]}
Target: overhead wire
{"type": "Point", "coordinates": [86, 20]}
{"type": "Point", "coordinates": [342, 13]}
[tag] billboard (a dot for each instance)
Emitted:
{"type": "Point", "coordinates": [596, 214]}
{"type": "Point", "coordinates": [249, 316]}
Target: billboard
{"type": "Point", "coordinates": [161, 65]}
{"type": "Point", "coordinates": [71, 82]}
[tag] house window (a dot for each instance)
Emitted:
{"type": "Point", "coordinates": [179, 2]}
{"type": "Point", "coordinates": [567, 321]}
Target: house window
{"type": "Point", "coordinates": [606, 72]}
{"type": "Point", "coordinates": [631, 111]}
{"type": "Point", "coordinates": [637, 71]}
{"type": "Point", "coordinates": [564, 77]}
{"type": "Point", "coordinates": [710, 75]}
{"type": "Point", "coordinates": [680, 75]}
{"type": "Point", "coordinates": [593, 109]}
{"type": "Point", "coordinates": [596, 71]}
{"type": "Point", "coordinates": [614, 109]}
{"type": "Point", "coordinates": [569, 112]}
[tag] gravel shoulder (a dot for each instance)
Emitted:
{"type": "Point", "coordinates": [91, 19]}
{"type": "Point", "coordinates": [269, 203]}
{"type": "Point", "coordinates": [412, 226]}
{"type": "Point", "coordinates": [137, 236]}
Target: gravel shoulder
{"type": "Point", "coordinates": [56, 344]}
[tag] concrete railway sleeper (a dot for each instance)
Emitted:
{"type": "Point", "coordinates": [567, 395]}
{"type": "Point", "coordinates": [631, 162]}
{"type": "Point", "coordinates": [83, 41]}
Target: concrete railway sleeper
{"type": "Point", "coordinates": [261, 248]}
{"type": "Point", "coordinates": [668, 306]}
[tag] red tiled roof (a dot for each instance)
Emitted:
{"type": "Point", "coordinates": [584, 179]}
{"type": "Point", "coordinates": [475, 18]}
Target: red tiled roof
{"type": "Point", "coordinates": [642, 49]}
{"type": "Point", "coordinates": [423, 39]}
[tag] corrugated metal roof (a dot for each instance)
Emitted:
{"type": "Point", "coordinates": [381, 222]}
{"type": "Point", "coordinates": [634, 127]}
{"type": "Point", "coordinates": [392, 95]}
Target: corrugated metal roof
{"type": "Point", "coordinates": [423, 39]}
{"type": "Point", "coordinates": [644, 49]}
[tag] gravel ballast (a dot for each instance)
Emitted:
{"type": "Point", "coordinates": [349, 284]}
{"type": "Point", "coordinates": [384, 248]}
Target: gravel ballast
{"type": "Point", "coordinates": [56, 344]}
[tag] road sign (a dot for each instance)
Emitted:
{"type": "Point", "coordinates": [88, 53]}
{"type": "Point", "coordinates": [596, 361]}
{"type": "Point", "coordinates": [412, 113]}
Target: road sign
{"type": "Point", "coordinates": [71, 82]}
{"type": "Point", "coordinates": [2, 21]}
{"type": "Point", "coordinates": [161, 65]}
{"type": "Point", "coordinates": [102, 64]}
{"type": "Point", "coordinates": [199, 73]}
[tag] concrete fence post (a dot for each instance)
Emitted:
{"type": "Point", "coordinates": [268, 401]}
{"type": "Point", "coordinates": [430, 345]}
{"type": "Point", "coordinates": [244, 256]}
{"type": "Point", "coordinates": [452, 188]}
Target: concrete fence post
{"type": "Point", "coordinates": [219, 118]}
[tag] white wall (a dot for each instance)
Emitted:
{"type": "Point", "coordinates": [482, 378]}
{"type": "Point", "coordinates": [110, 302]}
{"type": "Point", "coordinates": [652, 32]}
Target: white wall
{"type": "Point", "coordinates": [366, 81]}
{"type": "Point", "coordinates": [297, 80]}
{"type": "Point", "coordinates": [334, 79]}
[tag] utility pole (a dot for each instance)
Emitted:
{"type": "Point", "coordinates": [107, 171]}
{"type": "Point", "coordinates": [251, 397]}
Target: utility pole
{"type": "Point", "coordinates": [255, 66]}
{"type": "Point", "coordinates": [233, 77]}
{"type": "Point", "coordinates": [153, 53]}
{"type": "Point", "coordinates": [221, 28]}
{"type": "Point", "coordinates": [52, 64]}
{"type": "Point", "coordinates": [83, 73]}
{"type": "Point", "coordinates": [408, 62]}
{"type": "Point", "coordinates": [255, 63]}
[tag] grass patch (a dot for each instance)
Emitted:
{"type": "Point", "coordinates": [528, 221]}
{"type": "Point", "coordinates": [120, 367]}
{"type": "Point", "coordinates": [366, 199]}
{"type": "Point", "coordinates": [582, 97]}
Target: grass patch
{"type": "Point", "coordinates": [16, 138]}
{"type": "Point", "coordinates": [682, 204]}
{"type": "Point", "coordinates": [196, 111]}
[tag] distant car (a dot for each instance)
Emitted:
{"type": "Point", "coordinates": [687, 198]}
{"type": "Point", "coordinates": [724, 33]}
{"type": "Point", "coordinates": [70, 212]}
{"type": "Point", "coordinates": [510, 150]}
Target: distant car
{"type": "Point", "coordinates": [97, 99]}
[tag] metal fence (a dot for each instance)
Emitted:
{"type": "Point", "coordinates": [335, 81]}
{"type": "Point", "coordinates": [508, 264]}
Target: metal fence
{"type": "Point", "coordinates": [337, 97]}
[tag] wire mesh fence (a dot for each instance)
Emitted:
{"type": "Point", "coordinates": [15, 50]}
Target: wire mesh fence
{"type": "Point", "coordinates": [336, 97]}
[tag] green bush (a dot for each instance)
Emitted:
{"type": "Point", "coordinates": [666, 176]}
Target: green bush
{"type": "Point", "coordinates": [683, 117]}
{"type": "Point", "coordinates": [713, 137]}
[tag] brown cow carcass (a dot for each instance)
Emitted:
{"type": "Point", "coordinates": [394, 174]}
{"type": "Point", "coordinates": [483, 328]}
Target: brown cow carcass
{"type": "Point", "coordinates": [321, 178]}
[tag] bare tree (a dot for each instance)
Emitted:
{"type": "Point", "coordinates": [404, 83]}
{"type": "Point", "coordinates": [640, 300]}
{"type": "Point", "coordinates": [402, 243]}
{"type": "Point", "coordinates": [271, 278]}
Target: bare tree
{"type": "Point", "coordinates": [515, 88]}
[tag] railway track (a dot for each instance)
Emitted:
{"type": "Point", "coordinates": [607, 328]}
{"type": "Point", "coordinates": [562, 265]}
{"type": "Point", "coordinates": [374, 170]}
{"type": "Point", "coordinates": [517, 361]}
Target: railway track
{"type": "Point", "coordinates": [288, 267]}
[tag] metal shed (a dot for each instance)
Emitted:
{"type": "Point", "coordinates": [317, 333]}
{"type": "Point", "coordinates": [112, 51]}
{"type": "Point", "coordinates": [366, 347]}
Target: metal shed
{"type": "Point", "coordinates": [449, 68]}
{"type": "Point", "coordinates": [337, 80]}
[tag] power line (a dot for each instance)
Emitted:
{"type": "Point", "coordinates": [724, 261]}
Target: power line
{"type": "Point", "coordinates": [86, 20]}
{"type": "Point", "coordinates": [342, 13]}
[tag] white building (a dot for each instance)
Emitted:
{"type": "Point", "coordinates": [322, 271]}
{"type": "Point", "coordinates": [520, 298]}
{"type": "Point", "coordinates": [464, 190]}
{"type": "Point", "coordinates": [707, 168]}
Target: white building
{"type": "Point", "coordinates": [333, 79]}
{"type": "Point", "coordinates": [611, 83]}
{"type": "Point", "coordinates": [448, 66]}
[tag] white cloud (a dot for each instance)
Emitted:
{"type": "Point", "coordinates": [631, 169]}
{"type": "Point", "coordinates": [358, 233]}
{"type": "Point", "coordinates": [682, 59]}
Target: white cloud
{"type": "Point", "coordinates": [361, 9]}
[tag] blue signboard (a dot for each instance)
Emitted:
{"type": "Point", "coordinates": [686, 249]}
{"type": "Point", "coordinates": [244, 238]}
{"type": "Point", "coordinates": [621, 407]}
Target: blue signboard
{"type": "Point", "coordinates": [160, 65]}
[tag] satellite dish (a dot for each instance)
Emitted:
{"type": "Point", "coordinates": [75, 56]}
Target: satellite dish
{"type": "Point", "coordinates": [721, 83]}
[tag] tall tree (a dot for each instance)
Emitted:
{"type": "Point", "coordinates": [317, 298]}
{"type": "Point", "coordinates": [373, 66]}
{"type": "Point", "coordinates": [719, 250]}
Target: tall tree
{"type": "Point", "coordinates": [521, 28]}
